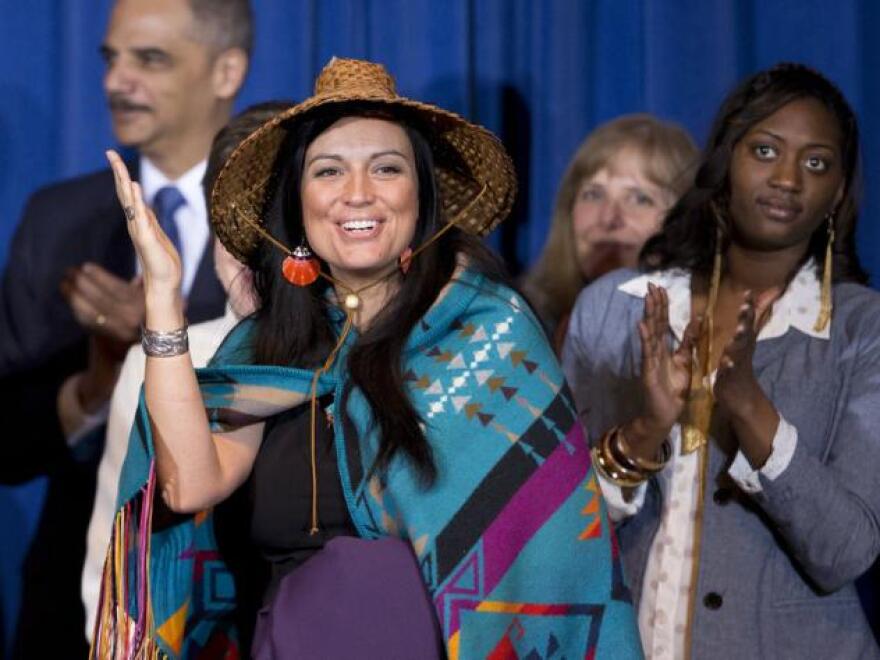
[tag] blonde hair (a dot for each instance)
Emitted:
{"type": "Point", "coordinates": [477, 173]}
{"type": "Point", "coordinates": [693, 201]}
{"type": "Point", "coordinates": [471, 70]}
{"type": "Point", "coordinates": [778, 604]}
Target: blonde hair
{"type": "Point", "coordinates": [670, 155]}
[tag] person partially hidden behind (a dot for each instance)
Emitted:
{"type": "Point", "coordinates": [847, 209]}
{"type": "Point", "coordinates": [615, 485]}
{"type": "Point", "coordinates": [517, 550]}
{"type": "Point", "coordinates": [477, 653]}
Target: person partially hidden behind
{"type": "Point", "coordinates": [72, 301]}
{"type": "Point", "coordinates": [731, 388]}
{"type": "Point", "coordinates": [620, 183]}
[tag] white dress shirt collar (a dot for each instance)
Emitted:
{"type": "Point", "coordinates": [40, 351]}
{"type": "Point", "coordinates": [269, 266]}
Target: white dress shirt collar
{"type": "Point", "coordinates": [797, 307]}
{"type": "Point", "coordinates": [191, 219]}
{"type": "Point", "coordinates": [189, 183]}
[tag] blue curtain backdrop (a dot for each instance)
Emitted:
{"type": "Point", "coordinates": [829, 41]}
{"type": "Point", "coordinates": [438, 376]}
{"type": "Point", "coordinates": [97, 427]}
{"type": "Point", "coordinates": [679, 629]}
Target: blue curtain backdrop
{"type": "Point", "coordinates": [540, 73]}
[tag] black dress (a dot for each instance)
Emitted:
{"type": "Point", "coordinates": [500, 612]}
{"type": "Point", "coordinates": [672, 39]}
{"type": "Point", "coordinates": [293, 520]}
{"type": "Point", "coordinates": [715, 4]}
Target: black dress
{"type": "Point", "coordinates": [263, 529]}
{"type": "Point", "coordinates": [281, 493]}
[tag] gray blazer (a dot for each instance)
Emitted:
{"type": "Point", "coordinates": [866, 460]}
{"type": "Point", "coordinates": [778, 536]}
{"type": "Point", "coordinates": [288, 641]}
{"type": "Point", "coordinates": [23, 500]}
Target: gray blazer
{"type": "Point", "coordinates": [776, 569]}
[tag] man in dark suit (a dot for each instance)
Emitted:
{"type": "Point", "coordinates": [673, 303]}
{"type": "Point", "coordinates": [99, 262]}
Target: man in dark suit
{"type": "Point", "coordinates": [71, 301]}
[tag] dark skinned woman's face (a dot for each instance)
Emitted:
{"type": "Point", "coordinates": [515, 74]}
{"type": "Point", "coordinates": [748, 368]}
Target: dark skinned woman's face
{"type": "Point", "coordinates": [786, 175]}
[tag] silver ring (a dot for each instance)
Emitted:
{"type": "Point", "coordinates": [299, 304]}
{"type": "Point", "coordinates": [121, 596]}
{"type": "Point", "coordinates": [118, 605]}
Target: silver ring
{"type": "Point", "coordinates": [129, 212]}
{"type": "Point", "coordinates": [100, 320]}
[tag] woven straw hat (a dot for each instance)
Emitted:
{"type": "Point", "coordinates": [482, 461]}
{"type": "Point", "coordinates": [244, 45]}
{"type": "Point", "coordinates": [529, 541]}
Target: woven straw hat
{"type": "Point", "coordinates": [474, 173]}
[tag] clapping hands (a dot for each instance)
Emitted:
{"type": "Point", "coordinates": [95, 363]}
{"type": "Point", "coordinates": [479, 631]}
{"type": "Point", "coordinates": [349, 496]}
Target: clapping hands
{"type": "Point", "coordinates": [108, 306]}
{"type": "Point", "coordinates": [735, 382]}
{"type": "Point", "coordinates": [666, 374]}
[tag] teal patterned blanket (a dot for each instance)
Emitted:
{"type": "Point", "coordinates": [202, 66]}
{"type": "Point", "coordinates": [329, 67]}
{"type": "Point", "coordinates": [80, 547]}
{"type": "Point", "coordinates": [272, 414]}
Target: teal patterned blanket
{"type": "Point", "coordinates": [513, 539]}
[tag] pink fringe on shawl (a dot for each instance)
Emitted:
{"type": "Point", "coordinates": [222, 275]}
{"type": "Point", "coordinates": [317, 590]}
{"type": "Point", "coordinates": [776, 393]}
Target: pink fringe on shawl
{"type": "Point", "coordinates": [118, 636]}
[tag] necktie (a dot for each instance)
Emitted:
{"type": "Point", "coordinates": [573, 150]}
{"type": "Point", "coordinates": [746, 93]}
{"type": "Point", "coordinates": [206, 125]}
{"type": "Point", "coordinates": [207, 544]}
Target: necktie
{"type": "Point", "coordinates": [165, 204]}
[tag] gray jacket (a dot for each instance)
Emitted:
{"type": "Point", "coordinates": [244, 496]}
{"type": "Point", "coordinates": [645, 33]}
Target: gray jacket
{"type": "Point", "coordinates": [776, 569]}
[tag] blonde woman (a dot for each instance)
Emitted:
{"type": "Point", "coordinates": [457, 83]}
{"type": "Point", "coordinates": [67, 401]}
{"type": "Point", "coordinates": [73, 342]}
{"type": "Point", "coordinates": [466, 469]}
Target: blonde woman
{"type": "Point", "coordinates": [613, 197]}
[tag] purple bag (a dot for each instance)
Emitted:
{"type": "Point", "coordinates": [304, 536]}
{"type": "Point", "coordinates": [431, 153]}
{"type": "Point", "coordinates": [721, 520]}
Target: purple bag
{"type": "Point", "coordinates": [353, 599]}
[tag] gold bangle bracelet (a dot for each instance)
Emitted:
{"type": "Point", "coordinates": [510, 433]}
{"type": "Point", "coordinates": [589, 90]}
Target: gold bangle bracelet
{"type": "Point", "coordinates": [609, 473]}
{"type": "Point", "coordinates": [637, 462]}
{"type": "Point", "coordinates": [615, 462]}
{"type": "Point", "coordinates": [614, 451]}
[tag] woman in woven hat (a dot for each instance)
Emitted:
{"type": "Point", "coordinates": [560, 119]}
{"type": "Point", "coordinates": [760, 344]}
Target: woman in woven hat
{"type": "Point", "coordinates": [392, 385]}
{"type": "Point", "coordinates": [620, 183]}
{"type": "Point", "coordinates": [740, 453]}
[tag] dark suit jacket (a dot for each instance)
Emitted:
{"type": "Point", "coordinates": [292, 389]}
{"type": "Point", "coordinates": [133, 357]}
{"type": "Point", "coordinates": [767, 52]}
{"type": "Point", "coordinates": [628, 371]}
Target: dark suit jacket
{"type": "Point", "coordinates": [41, 344]}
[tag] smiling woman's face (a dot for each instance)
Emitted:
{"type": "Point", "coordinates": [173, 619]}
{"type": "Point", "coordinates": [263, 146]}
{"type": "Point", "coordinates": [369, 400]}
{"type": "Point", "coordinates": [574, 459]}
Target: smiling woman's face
{"type": "Point", "coordinates": [360, 197]}
{"type": "Point", "coordinates": [786, 175]}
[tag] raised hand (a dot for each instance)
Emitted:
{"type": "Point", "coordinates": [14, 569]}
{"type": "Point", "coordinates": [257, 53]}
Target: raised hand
{"type": "Point", "coordinates": [162, 270]}
{"type": "Point", "coordinates": [665, 374]}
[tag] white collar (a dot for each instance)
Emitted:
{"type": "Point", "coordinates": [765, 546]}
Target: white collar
{"type": "Point", "coordinates": [189, 183]}
{"type": "Point", "coordinates": [798, 307]}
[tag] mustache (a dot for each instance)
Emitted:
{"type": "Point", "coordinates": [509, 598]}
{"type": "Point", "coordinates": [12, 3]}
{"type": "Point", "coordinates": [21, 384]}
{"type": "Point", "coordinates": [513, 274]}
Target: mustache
{"type": "Point", "coordinates": [118, 102]}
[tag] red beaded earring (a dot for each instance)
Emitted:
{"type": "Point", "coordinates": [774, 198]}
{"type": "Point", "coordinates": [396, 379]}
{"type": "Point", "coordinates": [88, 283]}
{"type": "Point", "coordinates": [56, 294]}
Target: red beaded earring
{"type": "Point", "coordinates": [405, 260]}
{"type": "Point", "coordinates": [300, 268]}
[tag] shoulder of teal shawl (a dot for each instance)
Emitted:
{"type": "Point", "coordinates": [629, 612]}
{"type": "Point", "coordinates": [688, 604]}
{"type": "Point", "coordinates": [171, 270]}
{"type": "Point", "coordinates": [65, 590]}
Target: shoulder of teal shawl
{"type": "Point", "coordinates": [484, 302]}
{"type": "Point", "coordinates": [237, 346]}
{"type": "Point", "coordinates": [470, 295]}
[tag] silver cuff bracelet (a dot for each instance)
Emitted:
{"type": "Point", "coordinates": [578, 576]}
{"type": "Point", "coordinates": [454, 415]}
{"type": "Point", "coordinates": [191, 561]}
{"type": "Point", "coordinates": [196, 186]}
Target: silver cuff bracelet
{"type": "Point", "coordinates": [165, 344]}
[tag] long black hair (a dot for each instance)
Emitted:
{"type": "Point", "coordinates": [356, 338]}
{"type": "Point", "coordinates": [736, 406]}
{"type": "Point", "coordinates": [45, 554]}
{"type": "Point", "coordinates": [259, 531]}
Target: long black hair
{"type": "Point", "coordinates": [294, 324]}
{"type": "Point", "coordinates": [687, 239]}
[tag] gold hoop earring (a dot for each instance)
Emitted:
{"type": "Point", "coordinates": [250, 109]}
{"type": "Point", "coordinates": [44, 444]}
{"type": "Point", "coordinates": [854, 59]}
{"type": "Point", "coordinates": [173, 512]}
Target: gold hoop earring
{"type": "Point", "coordinates": [827, 270]}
